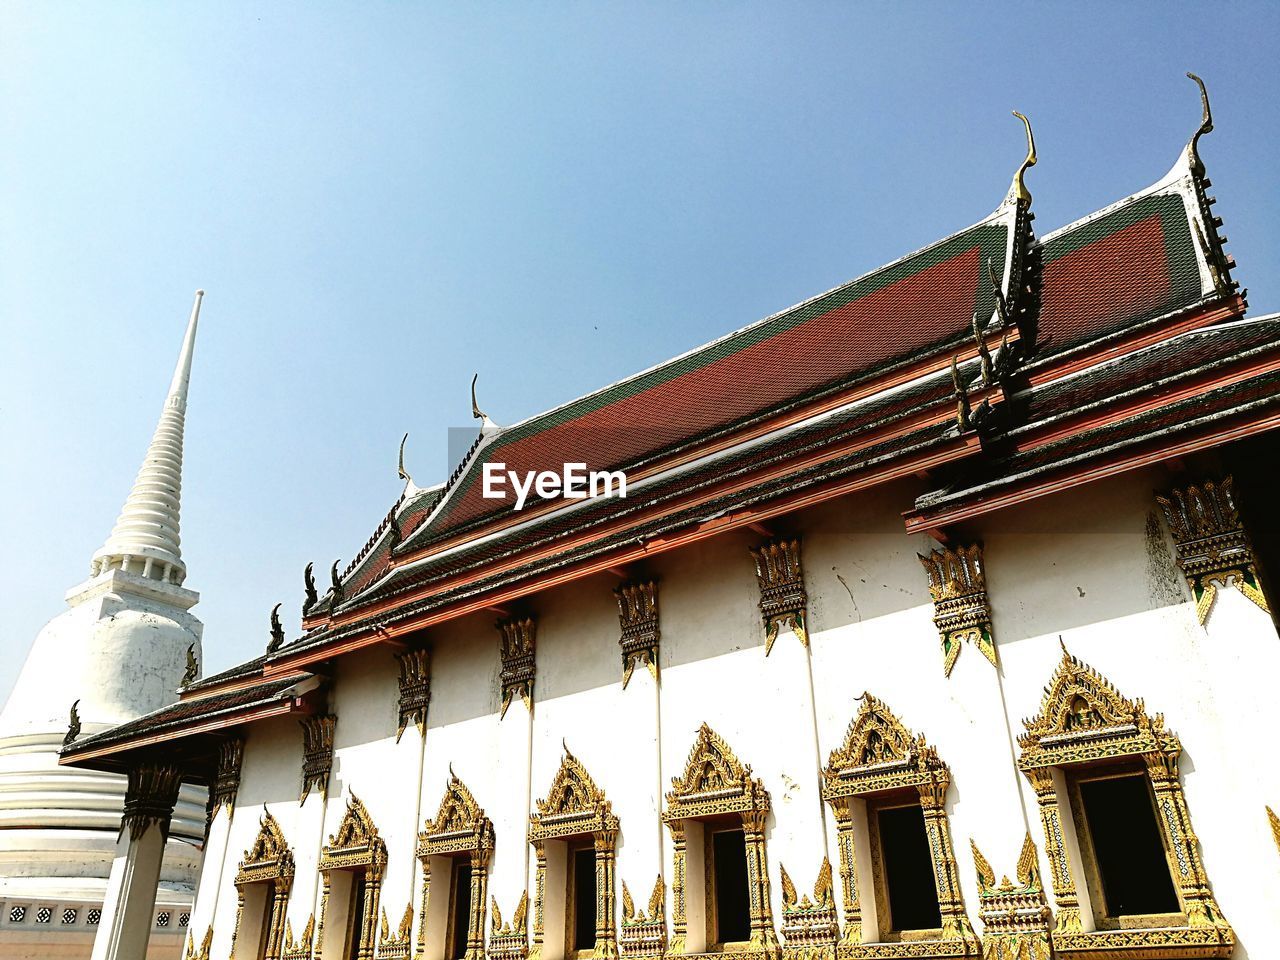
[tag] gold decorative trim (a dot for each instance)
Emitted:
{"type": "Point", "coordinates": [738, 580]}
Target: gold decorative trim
{"type": "Point", "coordinates": [510, 941]}
{"type": "Point", "coordinates": [576, 807]}
{"type": "Point", "coordinates": [715, 782]}
{"type": "Point", "coordinates": [355, 846]}
{"type": "Point", "coordinates": [415, 690]}
{"type": "Point", "coordinates": [226, 782]}
{"type": "Point", "coordinates": [880, 755]}
{"type": "Point", "coordinates": [517, 647]}
{"type": "Point", "coordinates": [638, 618]}
{"type": "Point", "coordinates": [149, 799]}
{"type": "Point", "coordinates": [644, 936]}
{"type": "Point", "coordinates": [783, 600]}
{"type": "Point", "coordinates": [1213, 548]}
{"type": "Point", "coordinates": [810, 928]}
{"type": "Point", "coordinates": [205, 946]}
{"type": "Point", "coordinates": [301, 948]}
{"type": "Point", "coordinates": [958, 585]}
{"type": "Point", "coordinates": [268, 860]}
{"type": "Point", "coordinates": [1015, 917]}
{"type": "Point", "coordinates": [1275, 826]}
{"type": "Point", "coordinates": [1083, 718]}
{"type": "Point", "coordinates": [460, 828]}
{"type": "Point", "coordinates": [396, 946]}
{"type": "Point", "coordinates": [317, 753]}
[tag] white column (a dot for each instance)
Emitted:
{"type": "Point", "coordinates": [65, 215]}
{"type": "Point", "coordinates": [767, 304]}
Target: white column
{"type": "Point", "coordinates": [127, 910]}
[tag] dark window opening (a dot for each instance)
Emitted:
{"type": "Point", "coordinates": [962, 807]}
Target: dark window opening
{"type": "Point", "coordinates": [268, 912]}
{"type": "Point", "coordinates": [908, 869]}
{"type": "Point", "coordinates": [1127, 849]}
{"type": "Point", "coordinates": [582, 888]}
{"type": "Point", "coordinates": [461, 925]}
{"type": "Point", "coordinates": [732, 896]}
{"type": "Point", "coordinates": [355, 917]}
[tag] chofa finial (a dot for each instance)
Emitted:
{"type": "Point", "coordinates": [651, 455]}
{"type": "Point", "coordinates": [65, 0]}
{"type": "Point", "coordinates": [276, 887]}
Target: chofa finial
{"type": "Point", "coordinates": [309, 582]}
{"type": "Point", "coordinates": [404, 474]}
{"type": "Point", "coordinates": [193, 668]}
{"type": "Point", "coordinates": [73, 728]}
{"type": "Point", "coordinates": [1206, 125]}
{"type": "Point", "coordinates": [1019, 189]}
{"type": "Point", "coordinates": [476, 412]}
{"type": "Point", "coordinates": [277, 631]}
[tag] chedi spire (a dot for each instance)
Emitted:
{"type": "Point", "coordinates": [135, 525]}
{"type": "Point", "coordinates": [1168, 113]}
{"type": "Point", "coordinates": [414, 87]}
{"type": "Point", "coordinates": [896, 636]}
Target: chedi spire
{"type": "Point", "coordinates": [145, 538]}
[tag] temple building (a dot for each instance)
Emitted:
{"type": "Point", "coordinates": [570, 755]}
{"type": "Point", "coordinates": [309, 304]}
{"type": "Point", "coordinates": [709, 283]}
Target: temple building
{"type": "Point", "coordinates": [934, 622]}
{"type": "Point", "coordinates": [123, 647]}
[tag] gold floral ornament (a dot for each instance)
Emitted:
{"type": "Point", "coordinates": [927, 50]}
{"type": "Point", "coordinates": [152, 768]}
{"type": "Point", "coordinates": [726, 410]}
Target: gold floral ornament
{"type": "Point", "coordinates": [715, 783]}
{"type": "Point", "coordinates": [783, 599]}
{"type": "Point", "coordinates": [510, 941]}
{"type": "Point", "coordinates": [1213, 548]}
{"type": "Point", "coordinates": [576, 807]}
{"type": "Point", "coordinates": [415, 690]}
{"type": "Point", "coordinates": [299, 949]}
{"type": "Point", "coordinates": [201, 953]}
{"type": "Point", "coordinates": [638, 618]}
{"type": "Point", "coordinates": [317, 753]}
{"type": "Point", "coordinates": [1084, 719]}
{"type": "Point", "coordinates": [460, 828]}
{"type": "Point", "coordinates": [810, 928]}
{"type": "Point", "coordinates": [396, 946]}
{"type": "Point", "coordinates": [1015, 917]}
{"type": "Point", "coordinates": [269, 860]}
{"type": "Point", "coordinates": [958, 585]}
{"type": "Point", "coordinates": [517, 647]}
{"type": "Point", "coordinates": [644, 936]}
{"type": "Point", "coordinates": [355, 846]}
{"type": "Point", "coordinates": [881, 756]}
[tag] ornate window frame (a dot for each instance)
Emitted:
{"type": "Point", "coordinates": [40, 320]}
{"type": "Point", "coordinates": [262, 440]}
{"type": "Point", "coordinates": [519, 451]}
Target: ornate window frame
{"type": "Point", "coordinates": [880, 756]}
{"type": "Point", "coordinates": [460, 828]}
{"type": "Point", "coordinates": [355, 846]}
{"type": "Point", "coordinates": [268, 860]}
{"type": "Point", "coordinates": [1084, 720]}
{"type": "Point", "coordinates": [715, 783]}
{"type": "Point", "coordinates": [576, 807]}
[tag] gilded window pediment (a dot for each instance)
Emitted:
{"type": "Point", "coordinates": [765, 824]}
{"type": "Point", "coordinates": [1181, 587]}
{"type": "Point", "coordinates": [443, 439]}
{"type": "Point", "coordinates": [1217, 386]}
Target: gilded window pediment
{"type": "Point", "coordinates": [878, 754]}
{"type": "Point", "coordinates": [356, 842]}
{"type": "Point", "coordinates": [573, 805]}
{"type": "Point", "coordinates": [269, 858]}
{"type": "Point", "coordinates": [714, 781]}
{"type": "Point", "coordinates": [460, 825]}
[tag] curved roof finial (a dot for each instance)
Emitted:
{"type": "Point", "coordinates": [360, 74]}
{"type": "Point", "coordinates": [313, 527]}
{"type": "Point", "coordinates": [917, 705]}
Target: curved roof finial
{"type": "Point", "coordinates": [1019, 189]}
{"type": "Point", "coordinates": [1206, 125]}
{"type": "Point", "coordinates": [476, 412]}
{"type": "Point", "coordinates": [404, 475]}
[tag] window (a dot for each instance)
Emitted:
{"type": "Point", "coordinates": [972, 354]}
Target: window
{"type": "Point", "coordinates": [1126, 866]}
{"type": "Point", "coordinates": [460, 910]}
{"type": "Point", "coordinates": [902, 868]}
{"type": "Point", "coordinates": [265, 911]}
{"type": "Point", "coordinates": [355, 916]}
{"type": "Point", "coordinates": [580, 896]}
{"type": "Point", "coordinates": [729, 917]}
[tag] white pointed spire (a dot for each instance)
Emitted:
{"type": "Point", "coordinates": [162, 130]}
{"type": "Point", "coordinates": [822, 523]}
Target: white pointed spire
{"type": "Point", "coordinates": [145, 538]}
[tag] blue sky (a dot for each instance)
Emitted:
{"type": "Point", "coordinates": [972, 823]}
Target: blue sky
{"type": "Point", "coordinates": [381, 199]}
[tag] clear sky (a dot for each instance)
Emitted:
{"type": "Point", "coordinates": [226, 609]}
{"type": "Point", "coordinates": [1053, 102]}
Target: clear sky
{"type": "Point", "coordinates": [381, 199]}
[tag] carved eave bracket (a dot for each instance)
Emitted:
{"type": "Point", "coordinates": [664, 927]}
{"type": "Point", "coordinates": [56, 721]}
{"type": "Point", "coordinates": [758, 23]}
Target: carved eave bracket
{"type": "Point", "coordinates": [638, 619]}
{"type": "Point", "coordinates": [1016, 918]}
{"type": "Point", "coordinates": [1213, 549]}
{"type": "Point", "coordinates": [517, 648]}
{"type": "Point", "coordinates": [226, 782]}
{"type": "Point", "coordinates": [644, 936]}
{"type": "Point", "coordinates": [810, 927]}
{"type": "Point", "coordinates": [415, 690]}
{"type": "Point", "coordinates": [961, 611]}
{"type": "Point", "coordinates": [783, 600]}
{"type": "Point", "coordinates": [317, 753]}
{"type": "Point", "coordinates": [149, 799]}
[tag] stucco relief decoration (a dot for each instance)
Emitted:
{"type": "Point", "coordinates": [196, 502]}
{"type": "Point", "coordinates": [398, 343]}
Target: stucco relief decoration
{"type": "Point", "coordinates": [574, 807]}
{"type": "Point", "coordinates": [355, 845]}
{"type": "Point", "coordinates": [460, 828]}
{"type": "Point", "coordinates": [226, 781]}
{"type": "Point", "coordinates": [958, 585]}
{"type": "Point", "coordinates": [517, 648]}
{"type": "Point", "coordinates": [810, 927]}
{"type": "Point", "coordinates": [415, 690]}
{"type": "Point", "coordinates": [395, 945]}
{"type": "Point", "coordinates": [1083, 718]}
{"type": "Point", "coordinates": [638, 618]}
{"type": "Point", "coordinates": [783, 600]}
{"type": "Point", "coordinates": [714, 783]}
{"type": "Point", "coordinates": [149, 799]}
{"type": "Point", "coordinates": [1015, 917]}
{"type": "Point", "coordinates": [644, 935]}
{"type": "Point", "coordinates": [268, 860]}
{"type": "Point", "coordinates": [202, 952]}
{"type": "Point", "coordinates": [510, 941]}
{"type": "Point", "coordinates": [880, 755]}
{"type": "Point", "coordinates": [299, 949]}
{"type": "Point", "coordinates": [317, 753]}
{"type": "Point", "coordinates": [1213, 548]}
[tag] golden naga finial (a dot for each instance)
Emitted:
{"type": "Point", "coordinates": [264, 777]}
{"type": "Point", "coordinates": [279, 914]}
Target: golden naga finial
{"type": "Point", "coordinates": [1206, 125]}
{"type": "Point", "coordinates": [1019, 189]}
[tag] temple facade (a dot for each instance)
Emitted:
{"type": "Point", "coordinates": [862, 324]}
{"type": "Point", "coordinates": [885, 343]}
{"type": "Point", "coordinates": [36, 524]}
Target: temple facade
{"type": "Point", "coordinates": [123, 647]}
{"type": "Point", "coordinates": [934, 623]}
